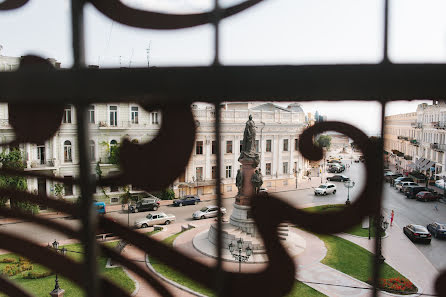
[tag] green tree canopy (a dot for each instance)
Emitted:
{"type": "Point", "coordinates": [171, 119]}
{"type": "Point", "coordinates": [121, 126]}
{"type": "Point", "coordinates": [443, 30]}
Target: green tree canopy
{"type": "Point", "coordinates": [324, 141]}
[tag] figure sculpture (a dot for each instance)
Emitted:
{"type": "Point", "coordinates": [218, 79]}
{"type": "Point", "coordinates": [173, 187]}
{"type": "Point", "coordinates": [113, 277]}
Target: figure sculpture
{"type": "Point", "coordinates": [248, 150]}
{"type": "Point", "coordinates": [257, 180]}
{"type": "Point", "coordinates": [239, 182]}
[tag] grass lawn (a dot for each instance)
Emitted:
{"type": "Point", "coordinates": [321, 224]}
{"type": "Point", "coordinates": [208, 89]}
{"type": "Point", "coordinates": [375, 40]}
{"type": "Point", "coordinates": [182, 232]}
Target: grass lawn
{"type": "Point", "coordinates": [152, 232]}
{"type": "Point", "coordinates": [41, 287]}
{"type": "Point", "coordinates": [358, 230]}
{"type": "Point", "coordinates": [299, 289]}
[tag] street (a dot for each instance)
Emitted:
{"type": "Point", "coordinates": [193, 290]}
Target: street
{"type": "Point", "coordinates": [406, 211]}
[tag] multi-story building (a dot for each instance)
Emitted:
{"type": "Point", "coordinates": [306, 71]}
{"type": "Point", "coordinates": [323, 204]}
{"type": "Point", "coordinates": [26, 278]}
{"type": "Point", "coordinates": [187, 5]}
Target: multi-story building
{"type": "Point", "coordinates": [278, 129]}
{"type": "Point", "coordinates": [417, 140]}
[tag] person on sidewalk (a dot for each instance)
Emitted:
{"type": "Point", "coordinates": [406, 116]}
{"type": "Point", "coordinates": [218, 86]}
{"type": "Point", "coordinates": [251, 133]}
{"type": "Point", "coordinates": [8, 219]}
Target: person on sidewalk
{"type": "Point", "coordinates": [391, 217]}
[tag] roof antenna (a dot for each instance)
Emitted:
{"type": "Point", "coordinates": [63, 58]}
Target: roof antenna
{"type": "Point", "coordinates": [148, 54]}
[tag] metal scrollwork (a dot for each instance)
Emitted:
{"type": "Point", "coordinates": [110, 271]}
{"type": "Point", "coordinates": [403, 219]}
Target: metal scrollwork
{"type": "Point", "coordinates": [126, 15]}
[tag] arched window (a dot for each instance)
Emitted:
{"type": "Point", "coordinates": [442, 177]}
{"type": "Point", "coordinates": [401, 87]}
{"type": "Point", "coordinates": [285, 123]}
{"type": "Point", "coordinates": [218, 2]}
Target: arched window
{"type": "Point", "coordinates": [92, 151]}
{"type": "Point", "coordinates": [67, 151]}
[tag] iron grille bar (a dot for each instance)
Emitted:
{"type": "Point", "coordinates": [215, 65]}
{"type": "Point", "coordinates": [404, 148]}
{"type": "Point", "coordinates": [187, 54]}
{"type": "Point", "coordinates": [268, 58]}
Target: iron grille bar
{"type": "Point", "coordinates": [229, 83]}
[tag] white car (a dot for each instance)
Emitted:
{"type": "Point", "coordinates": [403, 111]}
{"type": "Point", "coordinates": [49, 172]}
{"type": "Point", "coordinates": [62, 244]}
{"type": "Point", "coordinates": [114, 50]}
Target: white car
{"type": "Point", "coordinates": [400, 186]}
{"type": "Point", "coordinates": [157, 218]}
{"type": "Point", "coordinates": [325, 189]}
{"type": "Point", "coordinates": [207, 212]}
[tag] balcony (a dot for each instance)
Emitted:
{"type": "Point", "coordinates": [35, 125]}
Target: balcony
{"type": "Point", "coordinates": [122, 125]}
{"type": "Point", "coordinates": [407, 157]}
{"type": "Point", "coordinates": [414, 142]}
{"type": "Point", "coordinates": [403, 138]}
{"type": "Point", "coordinates": [417, 125]}
{"type": "Point", "coordinates": [438, 147]}
{"type": "Point", "coordinates": [439, 125]}
{"type": "Point", "coordinates": [40, 165]}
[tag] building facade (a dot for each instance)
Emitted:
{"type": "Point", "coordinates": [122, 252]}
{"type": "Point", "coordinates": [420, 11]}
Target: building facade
{"type": "Point", "coordinates": [417, 140]}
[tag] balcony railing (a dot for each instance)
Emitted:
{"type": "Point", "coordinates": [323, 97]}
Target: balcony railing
{"type": "Point", "coordinates": [417, 125]}
{"type": "Point", "coordinates": [403, 137]}
{"type": "Point", "coordinates": [439, 125]}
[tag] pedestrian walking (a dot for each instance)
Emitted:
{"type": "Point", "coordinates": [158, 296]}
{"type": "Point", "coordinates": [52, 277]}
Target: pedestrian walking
{"type": "Point", "coordinates": [391, 217]}
{"type": "Point", "coordinates": [435, 207]}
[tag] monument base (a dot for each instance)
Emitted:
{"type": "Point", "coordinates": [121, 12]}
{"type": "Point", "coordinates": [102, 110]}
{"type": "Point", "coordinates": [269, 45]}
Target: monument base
{"type": "Point", "coordinates": [241, 218]}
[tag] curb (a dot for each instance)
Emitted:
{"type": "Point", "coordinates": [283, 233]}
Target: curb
{"type": "Point", "coordinates": [134, 281]}
{"type": "Point", "coordinates": [177, 285]}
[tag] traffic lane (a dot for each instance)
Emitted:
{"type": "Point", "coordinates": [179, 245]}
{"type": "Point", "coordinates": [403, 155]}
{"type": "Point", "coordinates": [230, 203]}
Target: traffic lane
{"type": "Point", "coordinates": [181, 213]}
{"type": "Point", "coordinates": [411, 211]}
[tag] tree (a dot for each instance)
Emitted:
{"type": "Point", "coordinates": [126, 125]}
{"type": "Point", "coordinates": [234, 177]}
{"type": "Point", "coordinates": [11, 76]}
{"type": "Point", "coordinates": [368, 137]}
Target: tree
{"type": "Point", "coordinates": [167, 194]}
{"type": "Point", "coordinates": [324, 141]}
{"type": "Point", "coordinates": [14, 160]}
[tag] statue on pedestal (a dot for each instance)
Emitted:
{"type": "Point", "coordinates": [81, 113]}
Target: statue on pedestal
{"type": "Point", "coordinates": [248, 151]}
{"type": "Point", "coordinates": [239, 182]}
{"type": "Point", "coordinates": [257, 180]}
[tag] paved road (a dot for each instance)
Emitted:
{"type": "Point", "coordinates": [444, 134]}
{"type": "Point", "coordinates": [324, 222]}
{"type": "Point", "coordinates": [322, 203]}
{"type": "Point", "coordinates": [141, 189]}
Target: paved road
{"type": "Point", "coordinates": [406, 211]}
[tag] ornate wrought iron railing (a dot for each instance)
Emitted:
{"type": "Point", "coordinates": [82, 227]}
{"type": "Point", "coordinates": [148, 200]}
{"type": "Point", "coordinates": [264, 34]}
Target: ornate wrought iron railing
{"type": "Point", "coordinates": [173, 90]}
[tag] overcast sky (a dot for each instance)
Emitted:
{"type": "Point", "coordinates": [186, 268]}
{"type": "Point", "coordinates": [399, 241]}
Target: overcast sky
{"type": "Point", "coordinates": [274, 32]}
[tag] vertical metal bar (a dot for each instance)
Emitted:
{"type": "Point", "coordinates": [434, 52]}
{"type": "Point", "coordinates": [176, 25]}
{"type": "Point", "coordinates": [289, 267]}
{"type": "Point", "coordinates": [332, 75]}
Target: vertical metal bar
{"type": "Point", "coordinates": [89, 220]}
{"type": "Point", "coordinates": [386, 33]}
{"type": "Point", "coordinates": [217, 16]}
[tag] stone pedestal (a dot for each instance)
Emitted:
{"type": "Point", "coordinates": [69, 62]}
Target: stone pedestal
{"type": "Point", "coordinates": [57, 292]}
{"type": "Point", "coordinates": [247, 170]}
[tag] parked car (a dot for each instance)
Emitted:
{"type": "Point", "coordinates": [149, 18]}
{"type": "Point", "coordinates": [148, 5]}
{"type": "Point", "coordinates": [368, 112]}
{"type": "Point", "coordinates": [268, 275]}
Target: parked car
{"type": "Point", "coordinates": [263, 190]}
{"type": "Point", "coordinates": [338, 177]}
{"type": "Point", "coordinates": [402, 179]}
{"type": "Point", "coordinates": [439, 183]}
{"type": "Point", "coordinates": [426, 196]}
{"type": "Point", "coordinates": [334, 161]}
{"type": "Point", "coordinates": [187, 200]}
{"type": "Point", "coordinates": [155, 219]}
{"type": "Point", "coordinates": [145, 204]}
{"type": "Point", "coordinates": [387, 173]}
{"type": "Point", "coordinates": [100, 207]}
{"type": "Point", "coordinates": [142, 195]}
{"type": "Point", "coordinates": [207, 212]}
{"type": "Point", "coordinates": [356, 161]}
{"type": "Point", "coordinates": [335, 169]}
{"type": "Point", "coordinates": [411, 192]}
{"type": "Point", "coordinates": [325, 189]}
{"type": "Point", "coordinates": [438, 230]}
{"type": "Point", "coordinates": [391, 178]}
{"type": "Point", "coordinates": [400, 186]}
{"type": "Point", "coordinates": [417, 233]}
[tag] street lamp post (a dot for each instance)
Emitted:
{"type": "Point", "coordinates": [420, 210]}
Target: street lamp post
{"type": "Point", "coordinates": [58, 292]}
{"type": "Point", "coordinates": [348, 184]}
{"type": "Point", "coordinates": [295, 174]}
{"type": "Point", "coordinates": [238, 256]}
{"type": "Point", "coordinates": [382, 227]}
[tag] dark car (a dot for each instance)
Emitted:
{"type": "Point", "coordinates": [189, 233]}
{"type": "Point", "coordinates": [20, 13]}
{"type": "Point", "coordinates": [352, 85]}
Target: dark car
{"type": "Point", "coordinates": [417, 233]}
{"type": "Point", "coordinates": [411, 192]}
{"type": "Point", "coordinates": [145, 204]}
{"type": "Point", "coordinates": [338, 177]}
{"type": "Point", "coordinates": [186, 200]}
{"type": "Point", "coordinates": [335, 169]}
{"type": "Point", "coordinates": [438, 230]}
{"type": "Point", "coordinates": [356, 161]}
{"type": "Point", "coordinates": [426, 196]}
{"type": "Point", "coordinates": [391, 178]}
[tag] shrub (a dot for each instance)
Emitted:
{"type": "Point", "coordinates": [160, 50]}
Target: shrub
{"type": "Point", "coordinates": [36, 275]}
{"type": "Point", "coordinates": [8, 260]}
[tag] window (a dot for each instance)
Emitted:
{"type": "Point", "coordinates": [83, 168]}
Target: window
{"type": "Point", "coordinates": [67, 151]}
{"type": "Point", "coordinates": [67, 186]}
{"type": "Point", "coordinates": [229, 147]}
{"type": "Point", "coordinates": [113, 116]}
{"type": "Point", "coordinates": [296, 144]}
{"type": "Point", "coordinates": [92, 151]}
{"type": "Point", "coordinates": [268, 145]}
{"type": "Point", "coordinates": [199, 173]}
{"type": "Point", "coordinates": [268, 169]}
{"type": "Point", "coordinates": [214, 172]}
{"type": "Point", "coordinates": [134, 115]}
{"type": "Point", "coordinates": [285, 167]}
{"type": "Point", "coordinates": [214, 147]}
{"type": "Point", "coordinates": [67, 115]}
{"type": "Point", "coordinates": [285, 145]}
{"type": "Point", "coordinates": [91, 114]}
{"type": "Point", "coordinates": [41, 153]}
{"type": "Point", "coordinates": [199, 148]}
{"type": "Point", "coordinates": [241, 145]}
{"type": "Point", "coordinates": [257, 146]}
{"type": "Point", "coordinates": [154, 118]}
{"type": "Point", "coordinates": [228, 171]}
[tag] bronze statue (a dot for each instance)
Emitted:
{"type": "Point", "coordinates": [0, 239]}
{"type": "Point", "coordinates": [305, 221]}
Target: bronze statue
{"type": "Point", "coordinates": [248, 150]}
{"type": "Point", "coordinates": [239, 182]}
{"type": "Point", "coordinates": [257, 180]}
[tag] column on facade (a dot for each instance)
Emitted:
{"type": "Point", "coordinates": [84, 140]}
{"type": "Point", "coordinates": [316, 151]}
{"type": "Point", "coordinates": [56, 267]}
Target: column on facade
{"type": "Point", "coordinates": [207, 160]}
{"type": "Point", "coordinates": [28, 155]}
{"type": "Point", "coordinates": [262, 149]}
{"type": "Point", "coordinates": [279, 156]}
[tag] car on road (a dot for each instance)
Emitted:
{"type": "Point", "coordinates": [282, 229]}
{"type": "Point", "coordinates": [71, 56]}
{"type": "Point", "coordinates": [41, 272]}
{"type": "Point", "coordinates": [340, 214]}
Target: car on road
{"type": "Point", "coordinates": [338, 177]}
{"type": "Point", "coordinates": [417, 233]}
{"type": "Point", "coordinates": [438, 230]}
{"type": "Point", "coordinates": [411, 192]}
{"type": "Point", "coordinates": [207, 212]}
{"type": "Point", "coordinates": [325, 189]}
{"type": "Point", "coordinates": [356, 161]}
{"type": "Point", "coordinates": [401, 186]}
{"type": "Point", "coordinates": [142, 195]}
{"type": "Point", "coordinates": [145, 204]}
{"type": "Point", "coordinates": [426, 196]}
{"type": "Point", "coordinates": [187, 200]}
{"type": "Point", "coordinates": [263, 190]}
{"type": "Point", "coordinates": [391, 178]}
{"type": "Point", "coordinates": [401, 179]}
{"type": "Point", "coordinates": [387, 173]}
{"type": "Point", "coordinates": [335, 169]}
{"type": "Point", "coordinates": [157, 218]}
